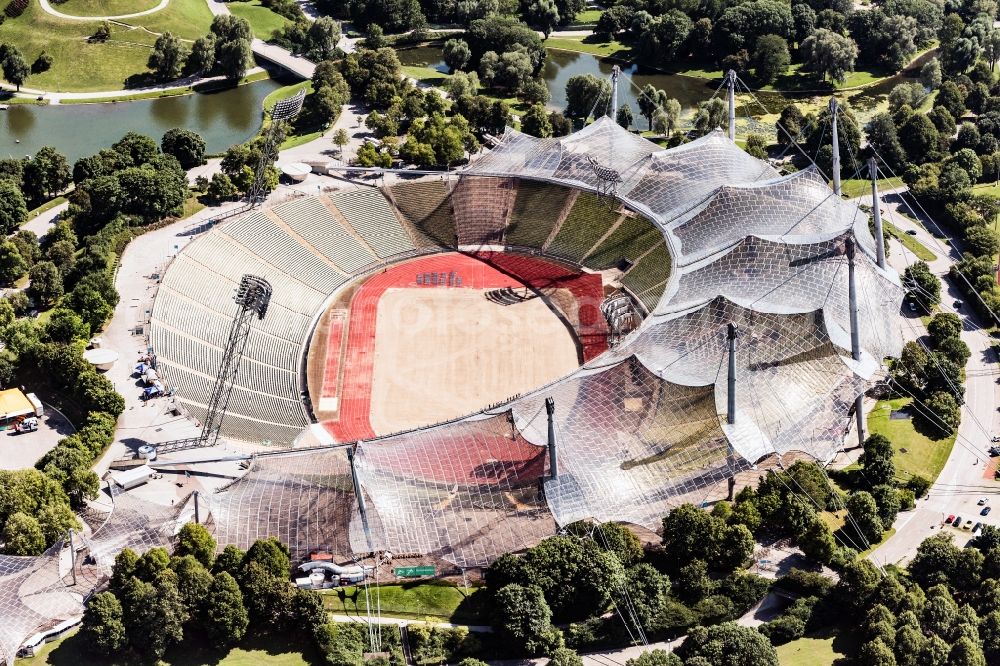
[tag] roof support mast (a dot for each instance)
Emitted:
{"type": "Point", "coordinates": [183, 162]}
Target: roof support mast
{"type": "Point", "coordinates": [359, 494]}
{"type": "Point", "coordinates": [615, 73]}
{"type": "Point", "coordinates": [731, 335]}
{"type": "Point", "coordinates": [731, 82]}
{"type": "Point", "coordinates": [836, 146]}
{"type": "Point", "coordinates": [852, 296]}
{"type": "Point", "coordinates": [879, 238]}
{"type": "Point", "coordinates": [550, 410]}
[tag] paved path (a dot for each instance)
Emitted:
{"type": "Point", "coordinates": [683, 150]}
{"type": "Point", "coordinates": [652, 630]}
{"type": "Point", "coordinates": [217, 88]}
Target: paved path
{"type": "Point", "coordinates": [965, 477]}
{"type": "Point", "coordinates": [41, 224]}
{"type": "Point", "coordinates": [70, 17]}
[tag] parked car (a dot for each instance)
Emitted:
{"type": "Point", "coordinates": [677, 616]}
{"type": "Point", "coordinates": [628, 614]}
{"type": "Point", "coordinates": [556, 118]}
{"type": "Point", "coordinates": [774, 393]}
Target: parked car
{"type": "Point", "coordinates": [912, 232]}
{"type": "Point", "coordinates": [958, 305]}
{"type": "Point", "coordinates": [985, 511]}
{"type": "Point", "coordinates": [995, 450]}
{"type": "Point", "coordinates": [967, 525]}
{"type": "Point", "coordinates": [912, 306]}
{"type": "Point", "coordinates": [976, 527]}
{"type": "Point", "coordinates": [983, 500]}
{"type": "Point", "coordinates": [995, 439]}
{"type": "Point", "coordinates": [29, 424]}
{"type": "Point", "coordinates": [951, 519]}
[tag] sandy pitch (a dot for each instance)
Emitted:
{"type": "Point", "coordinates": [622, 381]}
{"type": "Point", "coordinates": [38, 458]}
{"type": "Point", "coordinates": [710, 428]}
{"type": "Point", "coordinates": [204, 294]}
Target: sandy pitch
{"type": "Point", "coordinates": [445, 353]}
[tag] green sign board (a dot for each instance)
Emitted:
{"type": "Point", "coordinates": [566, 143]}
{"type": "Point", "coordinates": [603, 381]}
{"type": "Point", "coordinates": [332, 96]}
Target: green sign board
{"type": "Point", "coordinates": [414, 572]}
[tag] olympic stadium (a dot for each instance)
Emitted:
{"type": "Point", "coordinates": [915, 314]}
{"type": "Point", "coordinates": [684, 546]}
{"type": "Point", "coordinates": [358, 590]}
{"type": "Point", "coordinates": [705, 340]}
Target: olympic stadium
{"type": "Point", "coordinates": [586, 327]}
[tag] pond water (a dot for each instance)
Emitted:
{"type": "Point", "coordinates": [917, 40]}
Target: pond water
{"type": "Point", "coordinates": [221, 118]}
{"type": "Point", "coordinates": [561, 65]}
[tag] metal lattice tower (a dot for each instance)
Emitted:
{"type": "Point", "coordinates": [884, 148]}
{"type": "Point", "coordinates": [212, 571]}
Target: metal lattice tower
{"type": "Point", "coordinates": [285, 109]}
{"type": "Point", "coordinates": [252, 296]}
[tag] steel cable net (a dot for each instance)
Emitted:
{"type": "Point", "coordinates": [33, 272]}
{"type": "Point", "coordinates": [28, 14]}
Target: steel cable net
{"type": "Point", "coordinates": [466, 491]}
{"type": "Point", "coordinates": [306, 499]}
{"type": "Point", "coordinates": [33, 596]}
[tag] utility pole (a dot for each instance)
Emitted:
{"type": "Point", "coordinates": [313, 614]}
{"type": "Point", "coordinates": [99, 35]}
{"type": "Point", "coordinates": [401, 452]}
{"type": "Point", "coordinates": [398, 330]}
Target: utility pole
{"type": "Point", "coordinates": [836, 146]}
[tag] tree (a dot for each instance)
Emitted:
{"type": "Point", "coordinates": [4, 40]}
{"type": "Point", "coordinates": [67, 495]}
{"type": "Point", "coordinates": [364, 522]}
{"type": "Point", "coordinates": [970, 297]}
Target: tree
{"type": "Point", "coordinates": [941, 412]}
{"type": "Point", "coordinates": [877, 461]}
{"type": "Point", "coordinates": [15, 67]}
{"type": "Point", "coordinates": [586, 93]}
{"type": "Point", "coordinates": [228, 27]}
{"type": "Point", "coordinates": [193, 539]}
{"type": "Point", "coordinates": [46, 174]}
{"type": "Point", "coordinates": [168, 57]}
{"type": "Point", "coordinates": [561, 125]}
{"type": "Point", "coordinates": [226, 618]}
{"type": "Point", "coordinates": [229, 560]}
{"type": "Point", "coordinates": [649, 102]}
{"type": "Point", "coordinates": [951, 97]}
{"type": "Point", "coordinates": [711, 115]}
{"type": "Point", "coordinates": [202, 56]}
{"type": "Point", "coordinates": [727, 644]}
{"type": "Point", "coordinates": [624, 117]}
{"type": "Point", "coordinates": [22, 535]}
{"type": "Point", "coordinates": [930, 74]}
{"type": "Point", "coordinates": [13, 211]}
{"type": "Point", "coordinates": [46, 285]}
{"type": "Point", "coordinates": [457, 54]}
{"type": "Point", "coordinates": [830, 54]}
{"type": "Point", "coordinates": [565, 657]}
{"type": "Point", "coordinates": [740, 26]}
{"type": "Point", "coordinates": [235, 58]}
{"type": "Point", "coordinates": [270, 554]}
{"type": "Point", "coordinates": [322, 37]}
{"type": "Point", "coordinates": [544, 15]}
{"type": "Point", "coordinates": [522, 617]}
{"type": "Point", "coordinates": [12, 266]}
{"type": "Point", "coordinates": [981, 240]}
{"type": "Point", "coordinates": [102, 629]}
{"type": "Point", "coordinates": [66, 326]}
{"type": "Point", "coordinates": [924, 287]}
{"type": "Point", "coordinates": [655, 658]}
{"type": "Point", "coordinates": [770, 58]}
{"type": "Point", "coordinates": [559, 559]}
{"type": "Point", "coordinates": [187, 146]}
{"type": "Point", "coordinates": [864, 517]}
{"type": "Point", "coordinates": [535, 122]}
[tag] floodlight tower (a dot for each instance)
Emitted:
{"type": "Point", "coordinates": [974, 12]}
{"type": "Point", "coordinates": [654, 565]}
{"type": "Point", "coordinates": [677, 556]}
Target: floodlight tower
{"type": "Point", "coordinates": [252, 296]}
{"type": "Point", "coordinates": [285, 109]}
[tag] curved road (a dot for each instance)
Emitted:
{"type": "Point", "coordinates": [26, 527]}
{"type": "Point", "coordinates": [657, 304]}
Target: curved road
{"type": "Point", "coordinates": [965, 477]}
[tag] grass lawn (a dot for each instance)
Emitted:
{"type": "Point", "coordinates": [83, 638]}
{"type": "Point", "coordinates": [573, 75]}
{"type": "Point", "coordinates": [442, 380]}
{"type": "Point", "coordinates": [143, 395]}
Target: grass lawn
{"type": "Point", "coordinates": [987, 189]}
{"type": "Point", "coordinates": [918, 249]}
{"type": "Point", "coordinates": [69, 651]}
{"type": "Point", "coordinates": [262, 20]}
{"type": "Point", "coordinates": [79, 65]}
{"type": "Point", "coordinates": [591, 44]}
{"type": "Point", "coordinates": [48, 205]}
{"type": "Point", "coordinates": [586, 17]}
{"type": "Point", "coordinates": [416, 601]}
{"type": "Point", "coordinates": [104, 7]}
{"type": "Point", "coordinates": [819, 650]}
{"type": "Point", "coordinates": [915, 453]}
{"type": "Point", "coordinates": [425, 75]}
{"type": "Point", "coordinates": [857, 187]}
{"type": "Point", "coordinates": [191, 206]}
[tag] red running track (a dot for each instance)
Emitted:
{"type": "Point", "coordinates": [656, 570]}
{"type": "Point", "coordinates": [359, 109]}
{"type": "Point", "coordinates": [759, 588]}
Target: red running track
{"type": "Point", "coordinates": [503, 270]}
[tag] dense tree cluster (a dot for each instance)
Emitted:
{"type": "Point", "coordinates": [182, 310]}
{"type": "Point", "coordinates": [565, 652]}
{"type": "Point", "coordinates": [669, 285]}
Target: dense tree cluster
{"type": "Point", "coordinates": [193, 593]}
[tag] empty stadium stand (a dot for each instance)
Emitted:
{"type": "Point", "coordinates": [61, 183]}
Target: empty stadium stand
{"type": "Point", "coordinates": [373, 218]}
{"type": "Point", "coordinates": [588, 221]}
{"type": "Point", "coordinates": [425, 207]}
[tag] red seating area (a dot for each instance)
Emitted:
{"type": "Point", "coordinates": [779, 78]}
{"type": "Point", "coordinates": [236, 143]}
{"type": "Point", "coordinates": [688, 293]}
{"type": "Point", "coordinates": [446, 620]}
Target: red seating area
{"type": "Point", "coordinates": [488, 270]}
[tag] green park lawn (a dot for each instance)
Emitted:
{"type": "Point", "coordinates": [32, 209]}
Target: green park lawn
{"type": "Point", "coordinates": [591, 44]}
{"type": "Point", "coordinates": [414, 601]}
{"type": "Point", "coordinates": [922, 455]}
{"type": "Point", "coordinates": [816, 650]}
{"type": "Point", "coordinates": [918, 249]}
{"type": "Point", "coordinates": [48, 205]}
{"type": "Point", "coordinates": [262, 20]}
{"type": "Point", "coordinates": [69, 651]}
{"type": "Point", "coordinates": [83, 66]}
{"type": "Point", "coordinates": [586, 17]}
{"type": "Point", "coordinates": [104, 7]}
